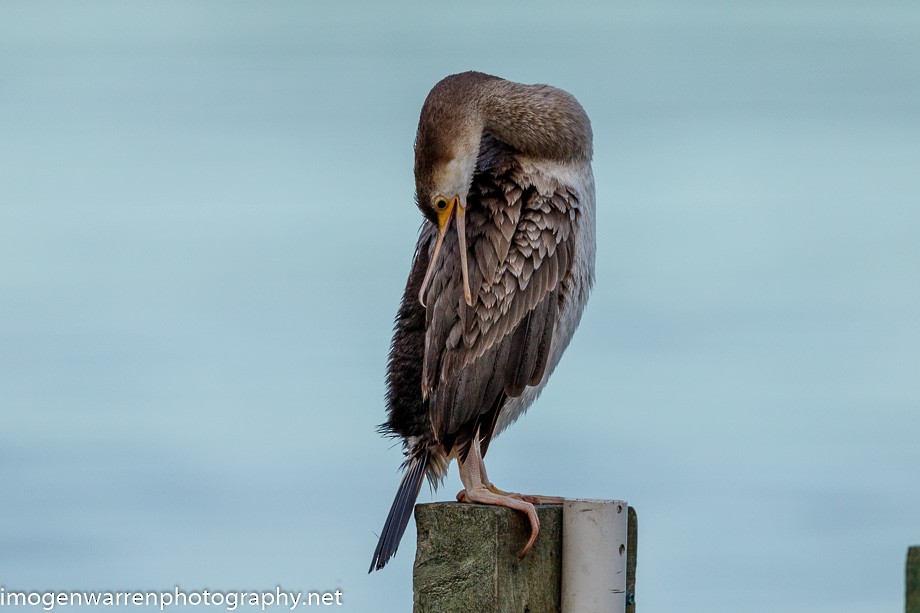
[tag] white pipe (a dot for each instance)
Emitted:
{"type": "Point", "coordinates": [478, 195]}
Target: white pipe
{"type": "Point", "coordinates": [594, 556]}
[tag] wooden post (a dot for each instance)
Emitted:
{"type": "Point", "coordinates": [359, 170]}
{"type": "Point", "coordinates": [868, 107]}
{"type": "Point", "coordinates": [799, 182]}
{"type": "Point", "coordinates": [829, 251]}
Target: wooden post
{"type": "Point", "coordinates": [632, 546]}
{"type": "Point", "coordinates": [467, 560]}
{"type": "Point", "coordinates": [912, 581]}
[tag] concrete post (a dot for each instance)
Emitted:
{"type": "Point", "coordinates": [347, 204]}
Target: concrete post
{"type": "Point", "coordinates": [594, 556]}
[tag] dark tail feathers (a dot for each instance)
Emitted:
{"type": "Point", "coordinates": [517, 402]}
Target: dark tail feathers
{"type": "Point", "coordinates": [398, 519]}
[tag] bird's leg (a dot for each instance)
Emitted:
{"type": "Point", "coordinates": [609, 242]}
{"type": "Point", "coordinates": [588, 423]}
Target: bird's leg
{"type": "Point", "coordinates": [478, 489]}
{"type": "Point", "coordinates": [531, 498]}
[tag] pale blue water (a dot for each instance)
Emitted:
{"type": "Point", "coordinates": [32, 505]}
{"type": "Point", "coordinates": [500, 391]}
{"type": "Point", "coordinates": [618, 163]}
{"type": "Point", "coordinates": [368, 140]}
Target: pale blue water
{"type": "Point", "coordinates": [206, 220]}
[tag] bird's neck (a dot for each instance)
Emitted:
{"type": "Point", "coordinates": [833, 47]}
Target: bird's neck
{"type": "Point", "coordinates": [537, 120]}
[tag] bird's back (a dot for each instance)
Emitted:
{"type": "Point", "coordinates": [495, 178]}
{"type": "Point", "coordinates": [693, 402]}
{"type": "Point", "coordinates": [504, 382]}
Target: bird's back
{"type": "Point", "coordinates": [572, 188]}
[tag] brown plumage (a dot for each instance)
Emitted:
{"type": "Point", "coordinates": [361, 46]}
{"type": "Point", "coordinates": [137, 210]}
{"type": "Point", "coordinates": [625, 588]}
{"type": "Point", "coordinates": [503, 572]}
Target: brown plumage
{"type": "Point", "coordinates": [490, 307]}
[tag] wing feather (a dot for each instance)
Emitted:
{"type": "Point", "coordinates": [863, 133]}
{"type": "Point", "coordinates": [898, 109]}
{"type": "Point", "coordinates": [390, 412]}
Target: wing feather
{"type": "Point", "coordinates": [521, 241]}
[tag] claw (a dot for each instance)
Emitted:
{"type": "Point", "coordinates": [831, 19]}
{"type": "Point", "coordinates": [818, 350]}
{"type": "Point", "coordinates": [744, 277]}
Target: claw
{"type": "Point", "coordinates": [478, 488]}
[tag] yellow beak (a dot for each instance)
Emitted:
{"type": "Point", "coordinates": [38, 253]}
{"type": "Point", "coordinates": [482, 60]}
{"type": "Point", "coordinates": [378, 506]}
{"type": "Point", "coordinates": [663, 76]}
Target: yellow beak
{"type": "Point", "coordinates": [454, 209]}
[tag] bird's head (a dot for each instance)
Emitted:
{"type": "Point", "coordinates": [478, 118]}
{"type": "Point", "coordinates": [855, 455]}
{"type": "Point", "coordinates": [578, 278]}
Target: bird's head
{"type": "Point", "coordinates": [446, 150]}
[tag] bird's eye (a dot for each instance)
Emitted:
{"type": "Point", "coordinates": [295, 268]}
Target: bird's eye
{"type": "Point", "coordinates": [440, 204]}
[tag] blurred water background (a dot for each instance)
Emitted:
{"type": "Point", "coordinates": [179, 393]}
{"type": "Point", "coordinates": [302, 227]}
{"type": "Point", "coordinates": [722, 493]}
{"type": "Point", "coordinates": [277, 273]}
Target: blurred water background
{"type": "Point", "coordinates": [206, 220]}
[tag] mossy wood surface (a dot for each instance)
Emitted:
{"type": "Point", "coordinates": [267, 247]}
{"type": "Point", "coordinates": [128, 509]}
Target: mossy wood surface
{"type": "Point", "coordinates": [467, 560]}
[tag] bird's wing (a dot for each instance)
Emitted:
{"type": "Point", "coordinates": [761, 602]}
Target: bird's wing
{"type": "Point", "coordinates": [521, 232]}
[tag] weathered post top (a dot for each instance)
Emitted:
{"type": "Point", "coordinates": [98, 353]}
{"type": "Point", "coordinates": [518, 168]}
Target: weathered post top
{"type": "Point", "coordinates": [467, 560]}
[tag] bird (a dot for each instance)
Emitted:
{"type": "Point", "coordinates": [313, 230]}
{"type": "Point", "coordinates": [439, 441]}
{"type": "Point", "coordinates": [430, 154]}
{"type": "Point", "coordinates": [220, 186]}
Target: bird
{"type": "Point", "coordinates": [499, 280]}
